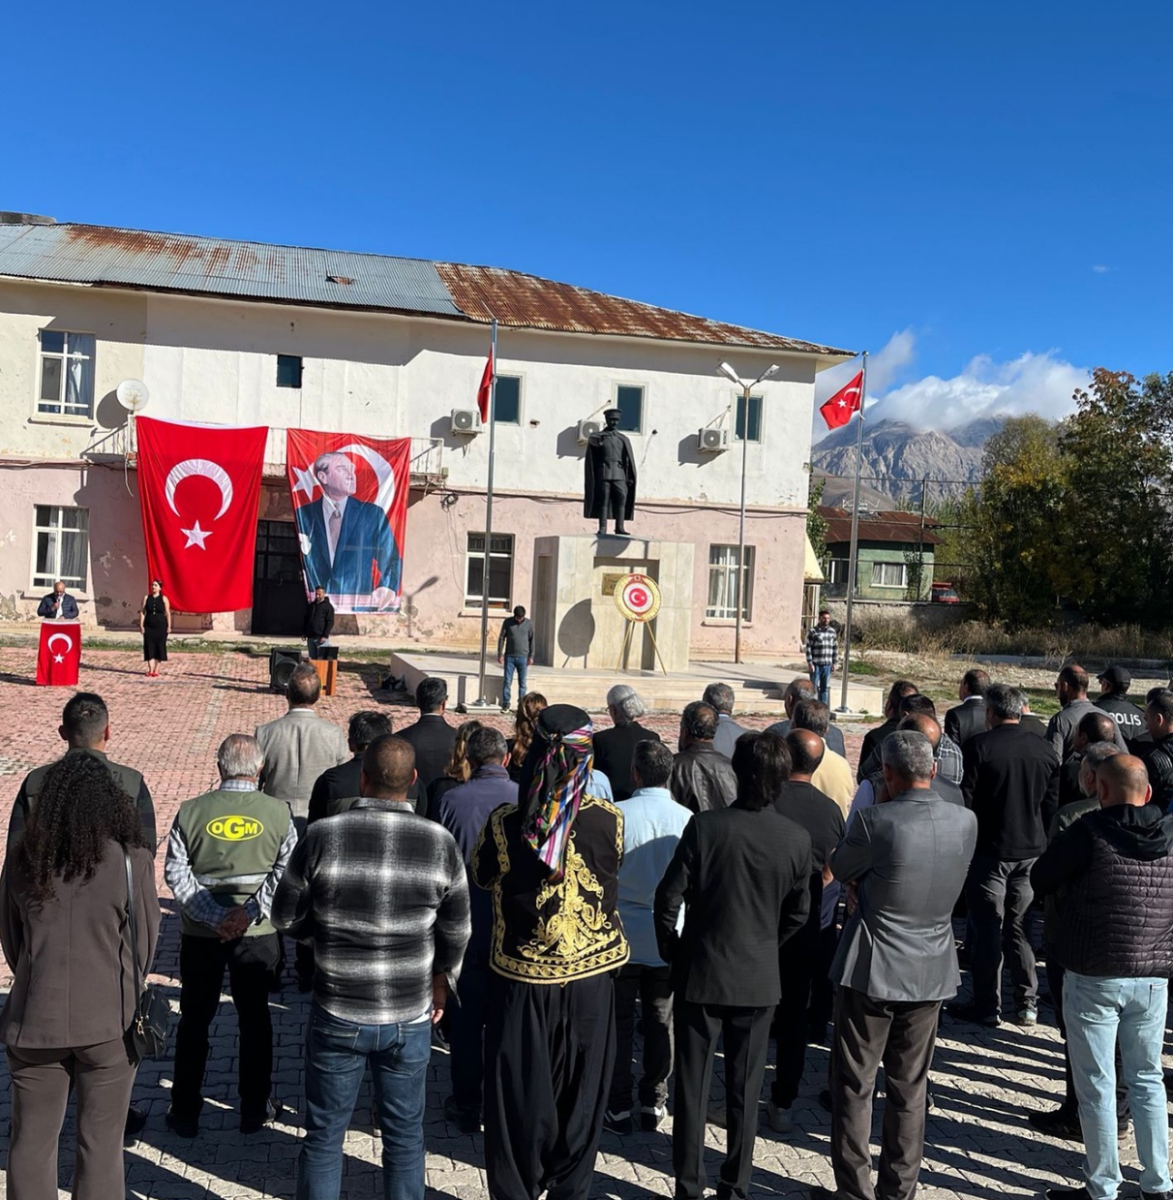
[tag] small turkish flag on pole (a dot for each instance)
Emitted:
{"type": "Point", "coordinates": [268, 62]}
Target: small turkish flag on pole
{"type": "Point", "coordinates": [846, 401]}
{"type": "Point", "coordinates": [485, 390]}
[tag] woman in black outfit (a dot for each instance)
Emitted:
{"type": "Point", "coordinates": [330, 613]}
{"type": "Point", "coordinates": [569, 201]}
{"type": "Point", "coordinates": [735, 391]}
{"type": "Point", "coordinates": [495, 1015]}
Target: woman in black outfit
{"type": "Point", "coordinates": [154, 619]}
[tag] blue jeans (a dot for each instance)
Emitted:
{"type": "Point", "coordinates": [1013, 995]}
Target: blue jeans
{"type": "Point", "coordinates": [1097, 1011]}
{"type": "Point", "coordinates": [821, 678]}
{"type": "Point", "coordinates": [520, 664]}
{"type": "Point", "coordinates": [337, 1054]}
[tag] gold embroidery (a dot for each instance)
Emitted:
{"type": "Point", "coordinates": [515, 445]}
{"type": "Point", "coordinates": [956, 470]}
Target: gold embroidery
{"type": "Point", "coordinates": [576, 923]}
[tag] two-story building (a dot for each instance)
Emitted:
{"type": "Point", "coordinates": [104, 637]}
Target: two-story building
{"type": "Point", "coordinates": [244, 333]}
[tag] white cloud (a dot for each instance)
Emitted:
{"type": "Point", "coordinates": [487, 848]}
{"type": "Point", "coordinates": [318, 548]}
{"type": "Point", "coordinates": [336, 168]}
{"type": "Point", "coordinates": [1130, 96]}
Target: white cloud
{"type": "Point", "coordinates": [1101, 268]}
{"type": "Point", "coordinates": [1031, 383]}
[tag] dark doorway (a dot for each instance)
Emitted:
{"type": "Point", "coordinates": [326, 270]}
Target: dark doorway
{"type": "Point", "coordinates": [278, 584]}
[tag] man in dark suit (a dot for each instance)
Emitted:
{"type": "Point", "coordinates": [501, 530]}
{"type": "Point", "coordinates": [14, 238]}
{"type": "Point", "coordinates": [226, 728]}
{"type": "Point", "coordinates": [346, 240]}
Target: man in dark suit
{"type": "Point", "coordinates": [969, 717]}
{"type": "Point", "coordinates": [431, 737]}
{"type": "Point", "coordinates": [346, 544]}
{"type": "Point", "coordinates": [801, 802]}
{"type": "Point", "coordinates": [614, 747]}
{"type": "Point", "coordinates": [319, 621]}
{"type": "Point", "coordinates": [1029, 721]}
{"type": "Point", "coordinates": [1011, 783]}
{"type": "Point", "coordinates": [58, 603]}
{"type": "Point", "coordinates": [874, 738]}
{"type": "Point", "coordinates": [341, 782]}
{"type": "Point", "coordinates": [896, 963]}
{"type": "Point", "coordinates": [742, 873]}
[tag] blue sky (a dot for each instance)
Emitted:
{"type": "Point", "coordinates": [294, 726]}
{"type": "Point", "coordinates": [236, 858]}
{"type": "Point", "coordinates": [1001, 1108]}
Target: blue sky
{"type": "Point", "coordinates": [992, 183]}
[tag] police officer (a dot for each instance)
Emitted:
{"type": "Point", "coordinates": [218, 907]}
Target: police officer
{"type": "Point", "coordinates": [1113, 699]}
{"type": "Point", "coordinates": [226, 854]}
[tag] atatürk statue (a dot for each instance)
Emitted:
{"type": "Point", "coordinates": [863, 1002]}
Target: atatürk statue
{"type": "Point", "coordinates": [610, 476]}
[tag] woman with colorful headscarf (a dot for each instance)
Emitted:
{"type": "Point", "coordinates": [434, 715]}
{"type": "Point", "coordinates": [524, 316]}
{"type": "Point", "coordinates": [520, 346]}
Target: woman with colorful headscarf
{"type": "Point", "coordinates": [551, 863]}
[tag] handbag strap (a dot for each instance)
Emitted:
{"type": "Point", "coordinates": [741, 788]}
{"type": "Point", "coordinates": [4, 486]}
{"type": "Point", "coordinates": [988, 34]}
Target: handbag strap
{"type": "Point", "coordinates": [138, 979]}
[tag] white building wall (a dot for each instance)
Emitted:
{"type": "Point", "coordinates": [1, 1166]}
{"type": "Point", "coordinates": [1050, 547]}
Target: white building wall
{"type": "Point", "coordinates": [215, 361]}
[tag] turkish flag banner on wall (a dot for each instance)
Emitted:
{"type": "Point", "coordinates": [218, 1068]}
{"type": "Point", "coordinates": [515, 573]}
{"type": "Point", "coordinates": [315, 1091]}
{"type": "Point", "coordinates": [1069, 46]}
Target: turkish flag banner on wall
{"type": "Point", "coordinates": [59, 654]}
{"type": "Point", "coordinates": [200, 490]}
{"type": "Point", "coordinates": [349, 497]}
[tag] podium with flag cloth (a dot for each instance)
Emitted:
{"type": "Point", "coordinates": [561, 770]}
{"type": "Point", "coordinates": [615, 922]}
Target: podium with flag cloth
{"type": "Point", "coordinates": [59, 654]}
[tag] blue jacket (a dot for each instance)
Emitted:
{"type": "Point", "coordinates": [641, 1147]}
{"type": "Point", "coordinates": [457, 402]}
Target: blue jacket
{"type": "Point", "coordinates": [68, 607]}
{"type": "Point", "coordinates": [652, 825]}
{"type": "Point", "coordinates": [463, 811]}
{"type": "Point", "coordinates": [365, 543]}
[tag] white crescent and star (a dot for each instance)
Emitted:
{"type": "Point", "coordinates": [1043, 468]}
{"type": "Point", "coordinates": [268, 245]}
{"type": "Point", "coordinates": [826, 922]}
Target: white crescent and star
{"type": "Point", "coordinates": [307, 481]}
{"type": "Point", "coordinates": [59, 658]}
{"type": "Point", "coordinates": [209, 470]}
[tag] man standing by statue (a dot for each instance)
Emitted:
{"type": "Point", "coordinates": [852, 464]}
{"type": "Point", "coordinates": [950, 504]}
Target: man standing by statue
{"type": "Point", "coordinates": [610, 476]}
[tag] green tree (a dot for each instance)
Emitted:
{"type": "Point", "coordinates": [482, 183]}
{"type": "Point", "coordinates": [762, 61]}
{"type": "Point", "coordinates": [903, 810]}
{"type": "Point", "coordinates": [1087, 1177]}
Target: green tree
{"type": "Point", "coordinates": [816, 526]}
{"type": "Point", "coordinates": [1117, 531]}
{"type": "Point", "coordinates": [1014, 572]}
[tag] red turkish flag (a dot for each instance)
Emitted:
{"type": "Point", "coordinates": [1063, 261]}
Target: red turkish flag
{"type": "Point", "coordinates": [485, 391]}
{"type": "Point", "coordinates": [59, 654]}
{"type": "Point", "coordinates": [200, 489]}
{"type": "Point", "coordinates": [846, 401]}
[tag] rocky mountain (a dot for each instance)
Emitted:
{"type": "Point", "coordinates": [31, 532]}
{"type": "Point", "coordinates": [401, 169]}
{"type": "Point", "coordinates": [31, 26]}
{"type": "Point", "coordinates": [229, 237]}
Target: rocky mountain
{"type": "Point", "coordinates": [898, 457]}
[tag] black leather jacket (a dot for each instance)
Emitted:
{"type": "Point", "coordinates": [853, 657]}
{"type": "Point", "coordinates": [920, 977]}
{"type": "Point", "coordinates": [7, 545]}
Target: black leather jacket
{"type": "Point", "coordinates": [1159, 761]}
{"type": "Point", "coordinates": [702, 779]}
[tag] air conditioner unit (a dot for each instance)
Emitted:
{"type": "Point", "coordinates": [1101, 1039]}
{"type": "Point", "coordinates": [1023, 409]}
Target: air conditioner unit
{"type": "Point", "coordinates": [712, 441]}
{"type": "Point", "coordinates": [587, 430]}
{"type": "Point", "coordinates": [466, 421]}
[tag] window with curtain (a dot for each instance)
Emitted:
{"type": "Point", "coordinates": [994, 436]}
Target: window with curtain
{"type": "Point", "coordinates": [890, 574]}
{"type": "Point", "coordinates": [723, 589]}
{"type": "Point", "coordinates": [62, 537]}
{"type": "Point", "coordinates": [67, 374]}
{"type": "Point", "coordinates": [500, 571]}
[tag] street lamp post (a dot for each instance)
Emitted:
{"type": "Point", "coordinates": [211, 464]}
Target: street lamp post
{"type": "Point", "coordinates": [746, 388]}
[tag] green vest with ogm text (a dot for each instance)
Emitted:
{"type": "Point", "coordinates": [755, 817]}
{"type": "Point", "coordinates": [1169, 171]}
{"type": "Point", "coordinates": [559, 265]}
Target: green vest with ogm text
{"type": "Point", "coordinates": [233, 839]}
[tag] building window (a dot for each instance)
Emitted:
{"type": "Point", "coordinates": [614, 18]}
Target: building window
{"type": "Point", "coordinates": [289, 370]}
{"type": "Point", "coordinates": [723, 583]}
{"type": "Point", "coordinates": [890, 574]}
{"type": "Point", "coordinates": [630, 402]}
{"type": "Point", "coordinates": [500, 571]}
{"type": "Point", "coordinates": [507, 404]}
{"type": "Point", "coordinates": [67, 374]}
{"type": "Point", "coordinates": [62, 536]}
{"type": "Point", "coordinates": [837, 570]}
{"type": "Point", "coordinates": [755, 419]}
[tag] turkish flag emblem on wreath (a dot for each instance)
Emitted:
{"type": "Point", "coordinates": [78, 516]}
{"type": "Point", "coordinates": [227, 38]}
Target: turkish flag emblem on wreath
{"type": "Point", "coordinates": [199, 491]}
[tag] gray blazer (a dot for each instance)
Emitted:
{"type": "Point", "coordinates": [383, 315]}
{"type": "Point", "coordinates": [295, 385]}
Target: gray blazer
{"type": "Point", "coordinates": [299, 747]}
{"type": "Point", "coordinates": [908, 859]}
{"type": "Point", "coordinates": [728, 731]}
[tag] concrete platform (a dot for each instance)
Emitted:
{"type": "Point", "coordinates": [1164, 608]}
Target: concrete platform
{"type": "Point", "coordinates": [758, 686]}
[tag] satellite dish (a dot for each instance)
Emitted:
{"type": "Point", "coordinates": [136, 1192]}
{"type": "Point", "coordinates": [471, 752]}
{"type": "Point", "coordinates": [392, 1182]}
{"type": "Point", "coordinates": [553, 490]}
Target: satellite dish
{"type": "Point", "coordinates": [133, 395]}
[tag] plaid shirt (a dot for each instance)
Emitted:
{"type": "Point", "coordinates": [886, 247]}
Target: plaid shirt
{"type": "Point", "coordinates": [383, 894]}
{"type": "Point", "coordinates": [822, 647]}
{"type": "Point", "coordinates": [949, 763]}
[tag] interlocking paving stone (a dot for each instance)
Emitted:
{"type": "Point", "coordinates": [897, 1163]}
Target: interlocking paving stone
{"type": "Point", "coordinates": [977, 1141]}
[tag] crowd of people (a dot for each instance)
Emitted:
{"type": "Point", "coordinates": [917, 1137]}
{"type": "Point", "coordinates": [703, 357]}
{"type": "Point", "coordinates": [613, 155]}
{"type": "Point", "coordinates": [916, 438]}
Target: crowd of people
{"type": "Point", "coordinates": [529, 902]}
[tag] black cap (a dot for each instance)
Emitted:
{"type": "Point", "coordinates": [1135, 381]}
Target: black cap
{"type": "Point", "coordinates": [1117, 676]}
{"type": "Point", "coordinates": [608, 411]}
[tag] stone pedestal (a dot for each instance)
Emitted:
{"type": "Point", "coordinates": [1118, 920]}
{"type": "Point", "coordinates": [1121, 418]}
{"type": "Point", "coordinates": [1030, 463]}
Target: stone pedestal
{"type": "Point", "coordinates": [575, 618]}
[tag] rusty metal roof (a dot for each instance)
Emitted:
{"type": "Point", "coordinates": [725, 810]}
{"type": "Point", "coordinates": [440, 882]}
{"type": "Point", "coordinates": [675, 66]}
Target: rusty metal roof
{"type": "Point", "coordinates": [101, 255]}
{"type": "Point", "coordinates": [529, 301]}
{"type": "Point", "coordinates": [171, 262]}
{"type": "Point", "coordinates": [895, 528]}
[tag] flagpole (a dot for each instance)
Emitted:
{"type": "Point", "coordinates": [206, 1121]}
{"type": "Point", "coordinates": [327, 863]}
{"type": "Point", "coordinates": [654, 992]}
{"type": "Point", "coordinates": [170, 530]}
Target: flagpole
{"type": "Point", "coordinates": [853, 557]}
{"type": "Point", "coordinates": [481, 701]}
